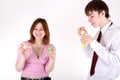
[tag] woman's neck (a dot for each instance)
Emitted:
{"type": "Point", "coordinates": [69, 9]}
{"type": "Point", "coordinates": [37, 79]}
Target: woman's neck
{"type": "Point", "coordinates": [38, 43]}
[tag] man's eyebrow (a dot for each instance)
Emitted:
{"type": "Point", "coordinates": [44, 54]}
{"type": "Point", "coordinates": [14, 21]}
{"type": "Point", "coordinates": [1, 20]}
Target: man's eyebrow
{"type": "Point", "coordinates": [89, 14]}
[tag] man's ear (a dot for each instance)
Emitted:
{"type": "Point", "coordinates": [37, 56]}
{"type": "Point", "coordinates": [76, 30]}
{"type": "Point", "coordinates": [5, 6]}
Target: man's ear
{"type": "Point", "coordinates": [103, 12]}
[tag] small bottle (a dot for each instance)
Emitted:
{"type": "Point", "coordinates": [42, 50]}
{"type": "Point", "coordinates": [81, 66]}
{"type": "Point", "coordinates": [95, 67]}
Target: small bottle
{"type": "Point", "coordinates": [26, 47]}
{"type": "Point", "coordinates": [83, 35]}
{"type": "Point", "coordinates": [49, 48]}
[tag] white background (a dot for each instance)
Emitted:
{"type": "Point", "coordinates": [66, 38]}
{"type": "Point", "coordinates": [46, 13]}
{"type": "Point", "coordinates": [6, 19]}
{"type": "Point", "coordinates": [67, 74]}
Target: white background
{"type": "Point", "coordinates": [63, 17]}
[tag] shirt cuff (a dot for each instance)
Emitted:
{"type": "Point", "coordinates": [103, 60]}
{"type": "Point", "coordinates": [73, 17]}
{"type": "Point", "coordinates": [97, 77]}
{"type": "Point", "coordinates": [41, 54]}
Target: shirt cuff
{"type": "Point", "coordinates": [95, 45]}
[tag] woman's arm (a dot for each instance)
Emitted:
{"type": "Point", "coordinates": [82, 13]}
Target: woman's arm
{"type": "Point", "coordinates": [21, 58]}
{"type": "Point", "coordinates": [50, 65]}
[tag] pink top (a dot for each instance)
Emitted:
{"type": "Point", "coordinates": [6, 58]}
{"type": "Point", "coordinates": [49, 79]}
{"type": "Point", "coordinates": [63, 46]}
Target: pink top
{"type": "Point", "coordinates": [35, 67]}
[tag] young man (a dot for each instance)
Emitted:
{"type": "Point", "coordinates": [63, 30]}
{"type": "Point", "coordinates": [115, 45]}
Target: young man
{"type": "Point", "coordinates": [105, 52]}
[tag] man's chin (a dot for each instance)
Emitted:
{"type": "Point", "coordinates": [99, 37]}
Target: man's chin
{"type": "Point", "coordinates": [94, 26]}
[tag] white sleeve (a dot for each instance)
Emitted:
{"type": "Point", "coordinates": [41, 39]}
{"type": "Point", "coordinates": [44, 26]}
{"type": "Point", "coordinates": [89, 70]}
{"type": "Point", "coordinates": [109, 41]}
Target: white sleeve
{"type": "Point", "coordinates": [110, 55]}
{"type": "Point", "coordinates": [88, 51]}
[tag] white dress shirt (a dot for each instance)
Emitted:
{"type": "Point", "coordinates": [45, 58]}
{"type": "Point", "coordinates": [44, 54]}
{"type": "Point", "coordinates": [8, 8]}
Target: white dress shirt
{"type": "Point", "coordinates": [108, 51]}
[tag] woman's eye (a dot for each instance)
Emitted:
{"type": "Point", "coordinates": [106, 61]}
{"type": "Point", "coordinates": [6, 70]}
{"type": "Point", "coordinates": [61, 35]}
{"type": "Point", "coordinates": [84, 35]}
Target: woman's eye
{"type": "Point", "coordinates": [41, 29]}
{"type": "Point", "coordinates": [35, 29]}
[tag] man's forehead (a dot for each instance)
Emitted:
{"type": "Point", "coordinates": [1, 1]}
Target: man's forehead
{"type": "Point", "coordinates": [90, 13]}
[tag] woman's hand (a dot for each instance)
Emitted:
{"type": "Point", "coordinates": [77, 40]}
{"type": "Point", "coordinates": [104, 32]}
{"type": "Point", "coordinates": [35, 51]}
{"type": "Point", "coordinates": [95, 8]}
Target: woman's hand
{"type": "Point", "coordinates": [52, 55]}
{"type": "Point", "coordinates": [22, 50]}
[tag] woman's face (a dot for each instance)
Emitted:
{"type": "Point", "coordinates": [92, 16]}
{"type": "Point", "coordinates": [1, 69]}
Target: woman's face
{"type": "Point", "coordinates": [38, 31]}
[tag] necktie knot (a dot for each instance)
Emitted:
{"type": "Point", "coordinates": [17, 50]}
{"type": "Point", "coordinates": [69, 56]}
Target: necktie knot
{"type": "Point", "coordinates": [99, 36]}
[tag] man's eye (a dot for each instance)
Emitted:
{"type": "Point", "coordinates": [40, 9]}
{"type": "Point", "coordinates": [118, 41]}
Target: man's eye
{"type": "Point", "coordinates": [91, 16]}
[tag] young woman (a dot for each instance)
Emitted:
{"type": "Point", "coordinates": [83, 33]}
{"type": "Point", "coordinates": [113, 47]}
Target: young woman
{"type": "Point", "coordinates": [36, 56]}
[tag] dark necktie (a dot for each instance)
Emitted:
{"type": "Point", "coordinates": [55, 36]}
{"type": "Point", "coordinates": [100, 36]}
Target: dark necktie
{"type": "Point", "coordinates": [95, 57]}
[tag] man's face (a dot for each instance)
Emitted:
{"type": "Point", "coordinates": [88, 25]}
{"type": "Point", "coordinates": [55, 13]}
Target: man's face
{"type": "Point", "coordinates": [95, 18]}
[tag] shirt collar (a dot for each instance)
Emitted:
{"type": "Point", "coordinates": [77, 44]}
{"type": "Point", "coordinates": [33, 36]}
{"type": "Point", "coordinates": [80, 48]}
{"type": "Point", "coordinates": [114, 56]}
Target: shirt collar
{"type": "Point", "coordinates": [106, 27]}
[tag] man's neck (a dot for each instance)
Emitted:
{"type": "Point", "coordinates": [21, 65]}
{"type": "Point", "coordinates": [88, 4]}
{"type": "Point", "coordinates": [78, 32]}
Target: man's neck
{"type": "Point", "coordinates": [104, 22]}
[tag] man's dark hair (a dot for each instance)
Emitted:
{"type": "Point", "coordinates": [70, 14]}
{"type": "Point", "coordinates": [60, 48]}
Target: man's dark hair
{"type": "Point", "coordinates": [97, 5]}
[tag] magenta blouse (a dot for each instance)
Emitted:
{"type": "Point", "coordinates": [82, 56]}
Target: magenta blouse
{"type": "Point", "coordinates": [35, 67]}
